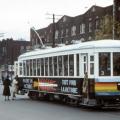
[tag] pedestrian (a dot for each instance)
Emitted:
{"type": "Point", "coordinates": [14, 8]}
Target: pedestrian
{"type": "Point", "coordinates": [2, 79]}
{"type": "Point", "coordinates": [6, 89]}
{"type": "Point", "coordinates": [15, 88]}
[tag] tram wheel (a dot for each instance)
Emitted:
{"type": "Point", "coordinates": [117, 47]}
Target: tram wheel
{"type": "Point", "coordinates": [33, 95]}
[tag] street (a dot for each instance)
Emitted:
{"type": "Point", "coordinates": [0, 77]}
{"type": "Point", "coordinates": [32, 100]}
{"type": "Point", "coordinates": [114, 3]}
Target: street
{"type": "Point", "coordinates": [25, 109]}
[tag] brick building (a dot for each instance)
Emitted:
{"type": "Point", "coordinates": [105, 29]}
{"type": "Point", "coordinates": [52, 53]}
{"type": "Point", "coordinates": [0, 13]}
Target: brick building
{"type": "Point", "coordinates": [82, 27]}
{"type": "Point", "coordinates": [9, 51]}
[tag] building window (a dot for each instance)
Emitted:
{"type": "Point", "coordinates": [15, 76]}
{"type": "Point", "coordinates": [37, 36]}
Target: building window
{"type": "Point", "coordinates": [22, 49]}
{"type": "Point", "coordinates": [90, 38]}
{"type": "Point", "coordinates": [118, 8]}
{"type": "Point", "coordinates": [61, 33]}
{"type": "Point", "coordinates": [73, 30]}
{"type": "Point", "coordinates": [50, 30]}
{"type": "Point", "coordinates": [97, 17]}
{"type": "Point", "coordinates": [67, 32]}
{"type": "Point", "coordinates": [97, 24]}
{"type": "Point", "coordinates": [90, 26]}
{"type": "Point", "coordinates": [93, 9]}
{"type": "Point", "coordinates": [56, 34]}
{"type": "Point", "coordinates": [82, 39]}
{"type": "Point", "coordinates": [4, 50]}
{"type": "Point", "coordinates": [90, 19]}
{"type": "Point", "coordinates": [82, 28]}
{"type": "Point", "coordinates": [28, 47]}
{"type": "Point", "coordinates": [64, 19]}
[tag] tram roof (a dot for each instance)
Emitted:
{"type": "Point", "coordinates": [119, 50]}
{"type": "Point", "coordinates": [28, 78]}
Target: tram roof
{"type": "Point", "coordinates": [83, 45]}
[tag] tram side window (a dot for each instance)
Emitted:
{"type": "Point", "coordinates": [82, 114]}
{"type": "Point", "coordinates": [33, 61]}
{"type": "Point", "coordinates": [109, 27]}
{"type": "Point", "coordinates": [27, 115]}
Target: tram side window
{"type": "Point", "coordinates": [85, 64]}
{"type": "Point", "coordinates": [60, 65]}
{"type": "Point", "coordinates": [91, 65]}
{"type": "Point", "coordinates": [50, 67]}
{"type": "Point", "coordinates": [27, 67]}
{"type": "Point", "coordinates": [78, 67]}
{"type": "Point", "coordinates": [71, 65]}
{"type": "Point", "coordinates": [116, 64]}
{"type": "Point", "coordinates": [30, 67]}
{"type": "Point", "coordinates": [55, 65]}
{"type": "Point", "coordinates": [65, 65]}
{"type": "Point", "coordinates": [38, 67]}
{"type": "Point", "coordinates": [24, 68]}
{"type": "Point", "coordinates": [34, 67]}
{"type": "Point", "coordinates": [46, 66]}
{"type": "Point", "coordinates": [20, 67]}
{"type": "Point", "coordinates": [42, 67]}
{"type": "Point", "coordinates": [104, 64]}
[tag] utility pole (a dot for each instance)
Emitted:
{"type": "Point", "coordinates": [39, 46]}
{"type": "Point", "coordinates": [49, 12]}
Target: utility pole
{"type": "Point", "coordinates": [113, 31]}
{"type": "Point", "coordinates": [53, 28]}
{"type": "Point", "coordinates": [53, 35]}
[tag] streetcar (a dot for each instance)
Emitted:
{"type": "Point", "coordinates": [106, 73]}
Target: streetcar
{"type": "Point", "coordinates": [87, 73]}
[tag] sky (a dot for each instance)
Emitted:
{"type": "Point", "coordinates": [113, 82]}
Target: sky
{"type": "Point", "coordinates": [18, 16]}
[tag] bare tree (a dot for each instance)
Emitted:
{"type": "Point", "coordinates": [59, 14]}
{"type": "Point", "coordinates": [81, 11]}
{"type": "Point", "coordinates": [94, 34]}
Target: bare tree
{"type": "Point", "coordinates": [105, 30]}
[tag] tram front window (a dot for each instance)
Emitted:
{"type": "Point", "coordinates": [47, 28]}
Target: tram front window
{"type": "Point", "coordinates": [116, 64]}
{"type": "Point", "coordinates": [104, 64]}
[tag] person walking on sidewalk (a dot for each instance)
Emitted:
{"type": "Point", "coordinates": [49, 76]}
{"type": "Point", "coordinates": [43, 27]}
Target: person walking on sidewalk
{"type": "Point", "coordinates": [6, 89]}
{"type": "Point", "coordinates": [15, 88]}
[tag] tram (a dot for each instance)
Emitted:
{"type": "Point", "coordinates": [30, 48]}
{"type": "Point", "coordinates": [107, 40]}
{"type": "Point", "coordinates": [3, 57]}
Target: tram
{"type": "Point", "coordinates": [87, 73]}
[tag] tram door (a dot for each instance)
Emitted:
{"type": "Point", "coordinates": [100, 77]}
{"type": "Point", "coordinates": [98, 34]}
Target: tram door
{"type": "Point", "coordinates": [84, 64]}
{"type": "Point", "coordinates": [85, 84]}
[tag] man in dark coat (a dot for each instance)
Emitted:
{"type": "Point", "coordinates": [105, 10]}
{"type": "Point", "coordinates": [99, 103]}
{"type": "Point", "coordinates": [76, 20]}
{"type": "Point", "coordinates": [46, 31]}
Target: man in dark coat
{"type": "Point", "coordinates": [6, 89]}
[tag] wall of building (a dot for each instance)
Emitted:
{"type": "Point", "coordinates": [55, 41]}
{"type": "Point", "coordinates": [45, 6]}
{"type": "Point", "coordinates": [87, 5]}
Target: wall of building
{"type": "Point", "coordinates": [81, 27]}
{"type": "Point", "coordinates": [9, 51]}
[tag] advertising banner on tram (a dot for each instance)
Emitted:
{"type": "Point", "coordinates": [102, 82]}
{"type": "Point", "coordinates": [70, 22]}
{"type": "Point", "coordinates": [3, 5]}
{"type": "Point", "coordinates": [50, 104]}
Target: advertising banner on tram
{"type": "Point", "coordinates": [57, 85]}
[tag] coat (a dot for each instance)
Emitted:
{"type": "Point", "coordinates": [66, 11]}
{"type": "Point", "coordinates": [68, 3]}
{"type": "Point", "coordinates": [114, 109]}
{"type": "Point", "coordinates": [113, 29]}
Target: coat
{"type": "Point", "coordinates": [6, 89]}
{"type": "Point", "coordinates": [15, 86]}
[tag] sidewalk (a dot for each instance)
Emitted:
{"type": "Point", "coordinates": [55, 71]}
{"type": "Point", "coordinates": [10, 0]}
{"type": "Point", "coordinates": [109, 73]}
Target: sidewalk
{"type": "Point", "coordinates": [11, 90]}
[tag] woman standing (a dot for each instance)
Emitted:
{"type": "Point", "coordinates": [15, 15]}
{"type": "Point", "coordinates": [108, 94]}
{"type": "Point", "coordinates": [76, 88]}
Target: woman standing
{"type": "Point", "coordinates": [15, 88]}
{"type": "Point", "coordinates": [6, 89]}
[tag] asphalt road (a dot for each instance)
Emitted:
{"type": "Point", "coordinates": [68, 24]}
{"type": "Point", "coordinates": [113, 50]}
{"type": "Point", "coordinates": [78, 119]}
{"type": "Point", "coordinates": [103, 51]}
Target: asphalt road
{"type": "Point", "coordinates": [25, 109]}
